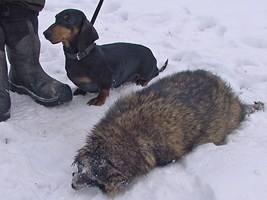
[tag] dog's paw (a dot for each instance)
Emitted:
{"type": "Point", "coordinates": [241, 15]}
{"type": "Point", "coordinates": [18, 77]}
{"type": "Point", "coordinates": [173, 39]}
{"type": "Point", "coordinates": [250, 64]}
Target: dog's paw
{"type": "Point", "coordinates": [96, 102]}
{"type": "Point", "coordinates": [79, 91]}
{"type": "Point", "coordinates": [142, 82]}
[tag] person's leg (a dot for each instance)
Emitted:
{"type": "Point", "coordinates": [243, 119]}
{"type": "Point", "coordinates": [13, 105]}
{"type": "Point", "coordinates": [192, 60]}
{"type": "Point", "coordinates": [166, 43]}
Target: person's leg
{"type": "Point", "coordinates": [4, 91]}
{"type": "Point", "coordinates": [26, 75]}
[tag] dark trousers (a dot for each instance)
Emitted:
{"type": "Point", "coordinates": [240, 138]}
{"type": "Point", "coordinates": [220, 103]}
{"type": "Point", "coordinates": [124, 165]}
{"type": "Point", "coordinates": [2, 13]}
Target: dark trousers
{"type": "Point", "coordinates": [12, 32]}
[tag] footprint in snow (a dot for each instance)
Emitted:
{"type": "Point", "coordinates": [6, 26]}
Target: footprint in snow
{"type": "Point", "coordinates": [207, 23]}
{"type": "Point", "coordinates": [255, 42]}
{"type": "Point", "coordinates": [124, 16]}
{"type": "Point", "coordinates": [111, 7]}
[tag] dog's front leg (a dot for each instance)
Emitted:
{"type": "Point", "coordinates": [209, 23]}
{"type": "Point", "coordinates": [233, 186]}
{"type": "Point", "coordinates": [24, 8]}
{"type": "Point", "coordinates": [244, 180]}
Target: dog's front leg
{"type": "Point", "coordinates": [79, 91]}
{"type": "Point", "coordinates": [100, 99]}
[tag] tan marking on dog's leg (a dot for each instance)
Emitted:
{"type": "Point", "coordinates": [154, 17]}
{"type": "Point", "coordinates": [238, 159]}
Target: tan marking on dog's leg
{"type": "Point", "coordinates": [144, 83]}
{"type": "Point", "coordinates": [100, 99]}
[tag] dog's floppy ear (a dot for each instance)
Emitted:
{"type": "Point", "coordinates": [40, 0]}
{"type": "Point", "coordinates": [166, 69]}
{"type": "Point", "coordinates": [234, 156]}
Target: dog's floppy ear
{"type": "Point", "coordinates": [87, 36]}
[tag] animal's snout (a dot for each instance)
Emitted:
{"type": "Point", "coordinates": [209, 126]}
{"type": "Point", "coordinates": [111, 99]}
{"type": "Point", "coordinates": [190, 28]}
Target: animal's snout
{"type": "Point", "coordinates": [72, 185]}
{"type": "Point", "coordinates": [47, 34]}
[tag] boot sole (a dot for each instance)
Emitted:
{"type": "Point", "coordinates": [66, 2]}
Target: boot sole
{"type": "Point", "coordinates": [40, 100]}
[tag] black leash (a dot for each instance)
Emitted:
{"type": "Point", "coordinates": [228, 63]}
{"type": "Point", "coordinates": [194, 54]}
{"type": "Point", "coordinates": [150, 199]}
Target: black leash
{"type": "Point", "coordinates": [96, 11]}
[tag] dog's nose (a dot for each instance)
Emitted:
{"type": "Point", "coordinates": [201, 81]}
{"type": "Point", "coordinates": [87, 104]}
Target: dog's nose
{"type": "Point", "coordinates": [47, 34]}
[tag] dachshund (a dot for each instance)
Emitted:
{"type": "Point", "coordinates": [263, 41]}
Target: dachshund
{"type": "Point", "coordinates": [98, 68]}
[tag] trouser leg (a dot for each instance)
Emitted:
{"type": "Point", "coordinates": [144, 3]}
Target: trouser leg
{"type": "Point", "coordinates": [4, 88]}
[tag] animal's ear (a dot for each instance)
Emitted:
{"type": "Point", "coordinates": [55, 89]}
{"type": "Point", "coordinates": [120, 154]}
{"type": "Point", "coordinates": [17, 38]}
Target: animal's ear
{"type": "Point", "coordinates": [85, 151]}
{"type": "Point", "coordinates": [87, 36]}
{"type": "Point", "coordinates": [116, 182]}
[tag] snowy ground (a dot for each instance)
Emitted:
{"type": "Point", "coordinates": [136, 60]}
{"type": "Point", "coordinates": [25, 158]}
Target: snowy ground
{"type": "Point", "coordinates": [38, 144]}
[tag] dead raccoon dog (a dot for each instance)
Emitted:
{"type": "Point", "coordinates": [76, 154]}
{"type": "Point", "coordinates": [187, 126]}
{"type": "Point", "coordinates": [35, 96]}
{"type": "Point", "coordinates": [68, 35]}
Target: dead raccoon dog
{"type": "Point", "coordinates": [156, 126]}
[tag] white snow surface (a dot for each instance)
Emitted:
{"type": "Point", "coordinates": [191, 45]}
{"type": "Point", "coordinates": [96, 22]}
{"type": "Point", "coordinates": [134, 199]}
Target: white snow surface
{"type": "Point", "coordinates": [229, 38]}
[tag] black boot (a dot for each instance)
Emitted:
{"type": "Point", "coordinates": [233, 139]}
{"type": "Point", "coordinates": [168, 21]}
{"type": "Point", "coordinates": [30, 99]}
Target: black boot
{"type": "Point", "coordinates": [4, 93]}
{"type": "Point", "coordinates": [26, 75]}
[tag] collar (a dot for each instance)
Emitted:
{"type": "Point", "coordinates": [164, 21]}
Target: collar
{"type": "Point", "coordinates": [81, 54]}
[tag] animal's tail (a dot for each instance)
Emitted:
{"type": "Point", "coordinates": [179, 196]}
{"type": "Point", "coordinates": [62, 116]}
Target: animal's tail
{"type": "Point", "coordinates": [251, 108]}
{"type": "Point", "coordinates": [164, 66]}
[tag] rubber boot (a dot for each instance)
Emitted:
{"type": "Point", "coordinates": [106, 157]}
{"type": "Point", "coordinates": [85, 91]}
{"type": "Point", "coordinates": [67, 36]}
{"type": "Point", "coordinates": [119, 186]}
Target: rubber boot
{"type": "Point", "coordinates": [4, 92]}
{"type": "Point", "coordinates": [26, 75]}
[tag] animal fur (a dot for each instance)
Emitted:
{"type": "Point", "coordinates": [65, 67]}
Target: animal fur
{"type": "Point", "coordinates": [156, 126]}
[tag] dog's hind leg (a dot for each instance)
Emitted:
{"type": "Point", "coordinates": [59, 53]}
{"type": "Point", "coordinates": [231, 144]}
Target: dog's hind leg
{"type": "Point", "coordinates": [142, 82]}
{"type": "Point", "coordinates": [143, 78]}
{"type": "Point", "coordinates": [145, 74]}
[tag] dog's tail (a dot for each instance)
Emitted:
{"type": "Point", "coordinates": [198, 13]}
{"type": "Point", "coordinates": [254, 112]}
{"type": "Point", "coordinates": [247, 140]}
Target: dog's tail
{"type": "Point", "coordinates": [164, 66]}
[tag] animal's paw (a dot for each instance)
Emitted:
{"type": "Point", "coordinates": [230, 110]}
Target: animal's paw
{"type": "Point", "coordinates": [79, 91]}
{"type": "Point", "coordinates": [96, 102]}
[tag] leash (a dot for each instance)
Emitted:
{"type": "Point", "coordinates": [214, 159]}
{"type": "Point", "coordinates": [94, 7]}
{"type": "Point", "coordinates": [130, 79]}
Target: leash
{"type": "Point", "coordinates": [96, 11]}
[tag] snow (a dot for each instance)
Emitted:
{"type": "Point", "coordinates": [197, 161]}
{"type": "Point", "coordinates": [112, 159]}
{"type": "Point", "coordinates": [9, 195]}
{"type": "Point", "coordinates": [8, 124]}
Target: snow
{"type": "Point", "coordinates": [229, 38]}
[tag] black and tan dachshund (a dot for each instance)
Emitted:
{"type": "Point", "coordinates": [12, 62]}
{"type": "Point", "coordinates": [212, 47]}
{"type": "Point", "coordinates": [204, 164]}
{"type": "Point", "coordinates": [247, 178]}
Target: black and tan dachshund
{"type": "Point", "coordinates": [98, 68]}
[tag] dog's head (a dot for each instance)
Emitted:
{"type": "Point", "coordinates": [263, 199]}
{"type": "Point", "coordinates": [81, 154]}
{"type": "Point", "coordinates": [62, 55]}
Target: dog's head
{"type": "Point", "coordinates": [72, 29]}
{"type": "Point", "coordinates": [95, 169]}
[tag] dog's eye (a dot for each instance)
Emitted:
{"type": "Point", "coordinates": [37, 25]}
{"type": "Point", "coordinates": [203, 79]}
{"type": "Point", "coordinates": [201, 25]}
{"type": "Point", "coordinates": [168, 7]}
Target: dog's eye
{"type": "Point", "coordinates": [68, 20]}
